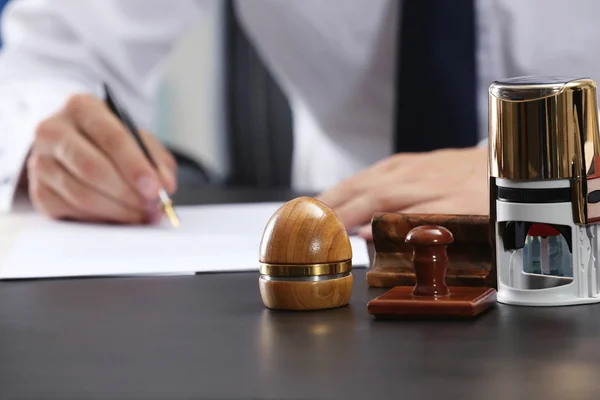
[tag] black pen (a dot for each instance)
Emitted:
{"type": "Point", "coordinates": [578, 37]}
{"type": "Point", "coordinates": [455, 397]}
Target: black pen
{"type": "Point", "coordinates": [165, 200]}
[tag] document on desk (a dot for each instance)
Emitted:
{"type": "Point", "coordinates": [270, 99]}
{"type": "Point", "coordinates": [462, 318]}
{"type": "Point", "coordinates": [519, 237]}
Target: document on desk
{"type": "Point", "coordinates": [211, 238]}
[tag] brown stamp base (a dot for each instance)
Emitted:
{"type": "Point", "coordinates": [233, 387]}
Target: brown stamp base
{"type": "Point", "coordinates": [462, 302]}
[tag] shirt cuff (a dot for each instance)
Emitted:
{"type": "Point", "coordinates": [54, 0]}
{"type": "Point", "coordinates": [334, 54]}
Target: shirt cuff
{"type": "Point", "coordinates": [22, 107]}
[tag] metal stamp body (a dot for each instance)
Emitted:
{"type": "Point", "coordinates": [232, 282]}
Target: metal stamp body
{"type": "Point", "coordinates": [544, 171]}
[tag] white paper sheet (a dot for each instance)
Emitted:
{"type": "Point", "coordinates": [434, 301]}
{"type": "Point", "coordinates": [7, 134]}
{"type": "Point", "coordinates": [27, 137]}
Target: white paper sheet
{"type": "Point", "coordinates": [212, 238]}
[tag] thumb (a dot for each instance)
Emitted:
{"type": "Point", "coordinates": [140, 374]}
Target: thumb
{"type": "Point", "coordinates": [168, 177]}
{"type": "Point", "coordinates": [167, 165]}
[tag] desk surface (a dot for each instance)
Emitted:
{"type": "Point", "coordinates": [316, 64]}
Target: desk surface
{"type": "Point", "coordinates": [209, 337]}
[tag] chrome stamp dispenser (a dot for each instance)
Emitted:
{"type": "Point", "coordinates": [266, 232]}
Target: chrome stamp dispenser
{"type": "Point", "coordinates": [544, 181]}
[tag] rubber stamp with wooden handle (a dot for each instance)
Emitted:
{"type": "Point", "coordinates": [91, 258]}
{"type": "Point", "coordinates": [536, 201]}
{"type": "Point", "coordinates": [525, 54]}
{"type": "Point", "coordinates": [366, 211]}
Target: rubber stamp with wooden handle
{"type": "Point", "coordinates": [431, 297]}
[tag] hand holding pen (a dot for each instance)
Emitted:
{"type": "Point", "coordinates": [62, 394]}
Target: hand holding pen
{"type": "Point", "coordinates": [85, 165]}
{"type": "Point", "coordinates": [164, 200]}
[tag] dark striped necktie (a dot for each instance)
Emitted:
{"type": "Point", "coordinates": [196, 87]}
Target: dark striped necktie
{"type": "Point", "coordinates": [436, 80]}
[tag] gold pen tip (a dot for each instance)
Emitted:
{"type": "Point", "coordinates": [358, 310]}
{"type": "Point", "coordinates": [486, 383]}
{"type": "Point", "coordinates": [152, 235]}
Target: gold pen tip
{"type": "Point", "coordinates": [170, 213]}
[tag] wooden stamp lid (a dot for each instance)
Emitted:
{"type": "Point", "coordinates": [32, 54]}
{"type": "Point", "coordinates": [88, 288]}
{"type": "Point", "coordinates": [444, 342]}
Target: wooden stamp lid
{"type": "Point", "coordinates": [304, 231]}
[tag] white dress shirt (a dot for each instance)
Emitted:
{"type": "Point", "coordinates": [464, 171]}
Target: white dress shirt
{"type": "Point", "coordinates": [333, 58]}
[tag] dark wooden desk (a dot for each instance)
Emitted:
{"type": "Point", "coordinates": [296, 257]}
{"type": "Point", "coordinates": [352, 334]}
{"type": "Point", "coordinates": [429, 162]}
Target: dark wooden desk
{"type": "Point", "coordinates": [209, 337]}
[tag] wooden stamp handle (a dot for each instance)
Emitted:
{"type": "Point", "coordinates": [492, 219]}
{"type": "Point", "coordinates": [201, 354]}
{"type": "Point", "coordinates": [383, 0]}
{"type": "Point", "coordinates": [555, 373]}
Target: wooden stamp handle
{"type": "Point", "coordinates": [430, 259]}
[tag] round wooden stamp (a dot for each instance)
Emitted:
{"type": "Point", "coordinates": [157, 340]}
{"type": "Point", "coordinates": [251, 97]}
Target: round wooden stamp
{"type": "Point", "coordinates": [305, 258]}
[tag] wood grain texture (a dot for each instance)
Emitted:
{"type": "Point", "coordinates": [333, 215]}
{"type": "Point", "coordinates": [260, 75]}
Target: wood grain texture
{"type": "Point", "coordinates": [470, 257]}
{"type": "Point", "coordinates": [306, 295]}
{"type": "Point", "coordinates": [304, 231]}
{"type": "Point", "coordinates": [430, 259]}
{"type": "Point", "coordinates": [431, 297]}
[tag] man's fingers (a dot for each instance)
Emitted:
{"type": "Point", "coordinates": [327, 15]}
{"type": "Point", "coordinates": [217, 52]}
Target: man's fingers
{"type": "Point", "coordinates": [370, 179]}
{"type": "Point", "coordinates": [84, 164]}
{"type": "Point", "coordinates": [83, 199]}
{"type": "Point", "coordinates": [168, 178]}
{"type": "Point", "coordinates": [75, 153]}
{"type": "Point", "coordinates": [356, 212]}
{"type": "Point", "coordinates": [158, 150]}
{"type": "Point", "coordinates": [102, 128]}
{"type": "Point", "coordinates": [354, 186]}
{"type": "Point", "coordinates": [167, 166]}
{"type": "Point", "coordinates": [390, 196]}
{"type": "Point", "coordinates": [46, 201]}
{"type": "Point", "coordinates": [447, 182]}
{"type": "Point", "coordinates": [347, 189]}
{"type": "Point", "coordinates": [339, 194]}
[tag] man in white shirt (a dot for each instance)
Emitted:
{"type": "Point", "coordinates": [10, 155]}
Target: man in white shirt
{"type": "Point", "coordinates": [335, 60]}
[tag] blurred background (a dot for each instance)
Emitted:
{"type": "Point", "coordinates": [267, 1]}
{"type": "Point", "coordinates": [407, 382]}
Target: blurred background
{"type": "Point", "coordinates": [189, 103]}
{"type": "Point", "coordinates": [190, 98]}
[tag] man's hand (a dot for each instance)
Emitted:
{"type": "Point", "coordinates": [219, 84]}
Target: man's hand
{"type": "Point", "coordinates": [85, 165]}
{"type": "Point", "coordinates": [439, 182]}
